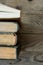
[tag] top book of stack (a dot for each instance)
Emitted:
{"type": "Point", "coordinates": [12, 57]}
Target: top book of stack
{"type": "Point", "coordinates": [9, 18]}
{"type": "Point", "coordinates": [7, 12]}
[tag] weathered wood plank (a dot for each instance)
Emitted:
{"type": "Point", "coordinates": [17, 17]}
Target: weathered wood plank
{"type": "Point", "coordinates": [32, 23]}
{"type": "Point", "coordinates": [28, 40]}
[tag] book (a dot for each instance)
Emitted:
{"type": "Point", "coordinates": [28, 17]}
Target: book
{"type": "Point", "coordinates": [8, 12]}
{"type": "Point", "coordinates": [9, 26]}
{"type": "Point", "coordinates": [8, 48]}
{"type": "Point", "coordinates": [8, 39]}
{"type": "Point", "coordinates": [9, 52]}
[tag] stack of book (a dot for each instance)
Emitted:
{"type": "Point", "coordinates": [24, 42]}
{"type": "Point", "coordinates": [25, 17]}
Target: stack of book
{"type": "Point", "coordinates": [9, 18]}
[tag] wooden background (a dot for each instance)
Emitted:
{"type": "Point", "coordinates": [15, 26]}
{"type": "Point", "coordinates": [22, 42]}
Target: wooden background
{"type": "Point", "coordinates": [32, 20]}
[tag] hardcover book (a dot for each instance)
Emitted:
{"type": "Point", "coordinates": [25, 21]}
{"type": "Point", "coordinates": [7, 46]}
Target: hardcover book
{"type": "Point", "coordinates": [9, 26]}
{"type": "Point", "coordinates": [7, 12]}
{"type": "Point", "coordinates": [9, 52]}
{"type": "Point", "coordinates": [8, 39]}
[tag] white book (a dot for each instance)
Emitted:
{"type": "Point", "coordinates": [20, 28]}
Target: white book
{"type": "Point", "coordinates": [8, 12]}
{"type": "Point", "coordinates": [9, 27]}
{"type": "Point", "coordinates": [8, 39]}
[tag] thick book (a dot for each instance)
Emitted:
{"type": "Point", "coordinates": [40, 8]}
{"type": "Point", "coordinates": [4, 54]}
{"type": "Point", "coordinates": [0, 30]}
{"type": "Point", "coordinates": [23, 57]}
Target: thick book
{"type": "Point", "coordinates": [9, 27]}
{"type": "Point", "coordinates": [9, 52]}
{"type": "Point", "coordinates": [8, 39]}
{"type": "Point", "coordinates": [7, 12]}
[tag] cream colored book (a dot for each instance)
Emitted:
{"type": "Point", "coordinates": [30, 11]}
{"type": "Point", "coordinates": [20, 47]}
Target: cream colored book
{"type": "Point", "coordinates": [8, 12]}
{"type": "Point", "coordinates": [8, 53]}
{"type": "Point", "coordinates": [8, 39]}
{"type": "Point", "coordinates": [9, 27]}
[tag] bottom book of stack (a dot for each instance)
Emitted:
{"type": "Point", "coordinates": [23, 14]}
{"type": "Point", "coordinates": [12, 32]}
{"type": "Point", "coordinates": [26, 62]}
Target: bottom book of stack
{"type": "Point", "coordinates": [9, 52]}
